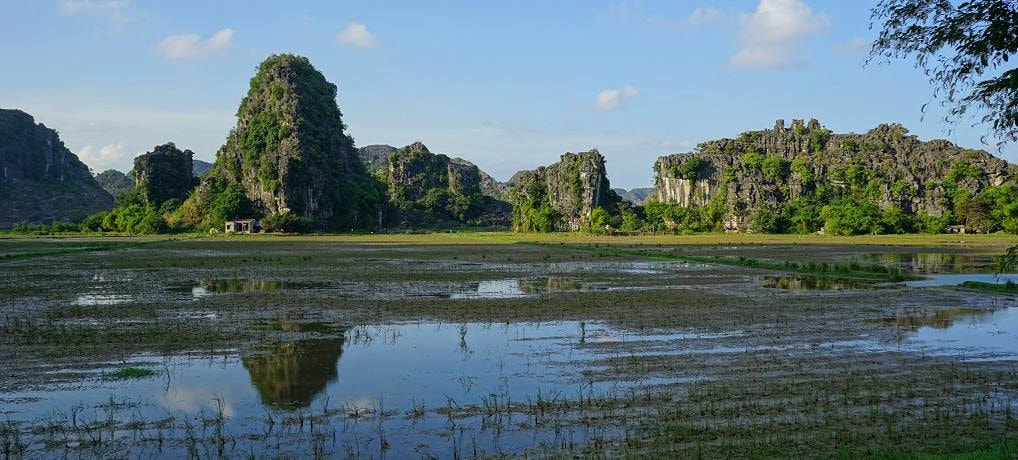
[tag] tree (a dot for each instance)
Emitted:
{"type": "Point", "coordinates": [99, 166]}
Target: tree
{"type": "Point", "coordinates": [962, 47]}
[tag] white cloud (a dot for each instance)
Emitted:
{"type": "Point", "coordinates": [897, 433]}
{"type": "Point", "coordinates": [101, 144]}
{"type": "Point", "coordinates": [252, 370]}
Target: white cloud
{"type": "Point", "coordinates": [771, 36]}
{"type": "Point", "coordinates": [702, 16]}
{"type": "Point", "coordinates": [356, 34]}
{"type": "Point", "coordinates": [186, 46]}
{"type": "Point", "coordinates": [116, 10]}
{"type": "Point", "coordinates": [854, 46]}
{"type": "Point", "coordinates": [611, 99]}
{"type": "Point", "coordinates": [102, 158]}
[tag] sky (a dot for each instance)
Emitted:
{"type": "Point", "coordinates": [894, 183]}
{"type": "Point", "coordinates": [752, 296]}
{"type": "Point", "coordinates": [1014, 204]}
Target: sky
{"type": "Point", "coordinates": [506, 85]}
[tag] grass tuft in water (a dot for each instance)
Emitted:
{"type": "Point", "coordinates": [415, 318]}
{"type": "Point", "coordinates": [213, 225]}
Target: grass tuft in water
{"type": "Point", "coordinates": [129, 373]}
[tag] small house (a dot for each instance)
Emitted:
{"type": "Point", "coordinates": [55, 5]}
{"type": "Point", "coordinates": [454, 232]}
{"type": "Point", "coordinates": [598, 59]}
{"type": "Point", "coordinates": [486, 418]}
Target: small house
{"type": "Point", "coordinates": [243, 226]}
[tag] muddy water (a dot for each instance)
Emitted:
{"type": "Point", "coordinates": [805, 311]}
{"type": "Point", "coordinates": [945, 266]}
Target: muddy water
{"type": "Point", "coordinates": [395, 375]}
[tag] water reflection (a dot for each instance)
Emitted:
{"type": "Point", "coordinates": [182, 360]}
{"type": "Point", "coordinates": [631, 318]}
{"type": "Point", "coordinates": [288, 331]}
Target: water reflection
{"type": "Point", "coordinates": [811, 283]}
{"type": "Point", "coordinates": [291, 374]}
{"type": "Point", "coordinates": [940, 319]}
{"type": "Point", "coordinates": [936, 262]}
{"type": "Point", "coordinates": [974, 333]}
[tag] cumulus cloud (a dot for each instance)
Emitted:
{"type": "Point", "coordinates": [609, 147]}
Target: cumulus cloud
{"type": "Point", "coordinates": [104, 157]}
{"type": "Point", "coordinates": [771, 36]}
{"type": "Point", "coordinates": [854, 46]}
{"type": "Point", "coordinates": [187, 46]}
{"type": "Point", "coordinates": [357, 34]}
{"type": "Point", "coordinates": [116, 10]}
{"type": "Point", "coordinates": [611, 99]}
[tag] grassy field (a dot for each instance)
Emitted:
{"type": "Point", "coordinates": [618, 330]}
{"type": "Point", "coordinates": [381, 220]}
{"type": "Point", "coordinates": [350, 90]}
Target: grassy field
{"type": "Point", "coordinates": [704, 359]}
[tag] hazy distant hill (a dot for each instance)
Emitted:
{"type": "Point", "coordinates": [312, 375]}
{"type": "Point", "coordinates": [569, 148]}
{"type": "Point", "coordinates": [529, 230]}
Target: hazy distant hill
{"type": "Point", "coordinates": [636, 196]}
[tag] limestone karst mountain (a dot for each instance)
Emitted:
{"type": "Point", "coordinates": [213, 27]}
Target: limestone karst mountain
{"type": "Point", "coordinates": [561, 196]}
{"type": "Point", "coordinates": [42, 181]}
{"type": "Point", "coordinates": [798, 169]}
{"type": "Point", "coordinates": [288, 154]}
{"type": "Point", "coordinates": [163, 174]}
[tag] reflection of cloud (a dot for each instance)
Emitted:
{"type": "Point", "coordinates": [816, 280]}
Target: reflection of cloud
{"type": "Point", "coordinates": [193, 399]}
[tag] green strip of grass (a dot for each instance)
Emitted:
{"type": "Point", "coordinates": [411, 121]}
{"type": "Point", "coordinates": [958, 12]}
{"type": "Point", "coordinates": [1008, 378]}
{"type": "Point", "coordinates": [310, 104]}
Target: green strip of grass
{"type": "Point", "coordinates": [1002, 288]}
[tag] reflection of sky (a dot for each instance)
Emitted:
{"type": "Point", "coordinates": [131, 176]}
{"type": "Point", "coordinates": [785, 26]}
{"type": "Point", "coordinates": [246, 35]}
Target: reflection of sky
{"type": "Point", "coordinates": [995, 332]}
{"type": "Point", "coordinates": [399, 365]}
{"type": "Point", "coordinates": [954, 279]}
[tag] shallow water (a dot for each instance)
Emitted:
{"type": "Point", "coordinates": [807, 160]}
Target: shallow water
{"type": "Point", "coordinates": [972, 333]}
{"type": "Point", "coordinates": [935, 262]}
{"type": "Point", "coordinates": [362, 371]}
{"type": "Point", "coordinates": [812, 283]}
{"type": "Point", "coordinates": [954, 279]}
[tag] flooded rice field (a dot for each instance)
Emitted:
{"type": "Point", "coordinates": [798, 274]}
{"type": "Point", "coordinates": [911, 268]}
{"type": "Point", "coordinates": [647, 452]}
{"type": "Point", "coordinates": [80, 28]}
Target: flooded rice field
{"type": "Point", "coordinates": [271, 348]}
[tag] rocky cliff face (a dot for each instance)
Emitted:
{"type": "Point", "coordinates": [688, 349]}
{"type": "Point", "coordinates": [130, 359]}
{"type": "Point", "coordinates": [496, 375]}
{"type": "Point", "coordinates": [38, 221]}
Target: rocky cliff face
{"type": "Point", "coordinates": [560, 196]}
{"type": "Point", "coordinates": [775, 167]}
{"type": "Point", "coordinates": [289, 152]}
{"type": "Point", "coordinates": [163, 174]}
{"type": "Point", "coordinates": [40, 180]}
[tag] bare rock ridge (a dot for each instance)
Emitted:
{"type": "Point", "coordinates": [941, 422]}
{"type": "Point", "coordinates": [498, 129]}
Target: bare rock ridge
{"type": "Point", "coordinates": [41, 181]}
{"type": "Point", "coordinates": [561, 196]}
{"type": "Point", "coordinates": [775, 167]}
{"type": "Point", "coordinates": [289, 154]}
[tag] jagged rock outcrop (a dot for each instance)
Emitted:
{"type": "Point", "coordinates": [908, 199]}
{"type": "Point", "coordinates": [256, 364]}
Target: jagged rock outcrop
{"type": "Point", "coordinates": [774, 167]}
{"type": "Point", "coordinates": [114, 182]}
{"type": "Point", "coordinates": [41, 181]}
{"type": "Point", "coordinates": [199, 167]}
{"type": "Point", "coordinates": [289, 154]}
{"type": "Point", "coordinates": [561, 196]}
{"type": "Point", "coordinates": [165, 173]}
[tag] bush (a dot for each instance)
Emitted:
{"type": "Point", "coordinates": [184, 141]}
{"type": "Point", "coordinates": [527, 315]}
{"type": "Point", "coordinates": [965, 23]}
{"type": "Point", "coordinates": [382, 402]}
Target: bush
{"type": "Point", "coordinates": [286, 222]}
{"type": "Point", "coordinates": [751, 159]}
{"type": "Point", "coordinates": [765, 220]}
{"type": "Point", "coordinates": [774, 167]}
{"type": "Point", "coordinates": [849, 217]}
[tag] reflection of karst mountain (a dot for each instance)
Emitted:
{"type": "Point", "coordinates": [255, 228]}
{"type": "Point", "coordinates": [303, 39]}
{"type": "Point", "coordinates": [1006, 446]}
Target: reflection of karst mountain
{"type": "Point", "coordinates": [292, 374]}
{"type": "Point", "coordinates": [808, 283]}
{"type": "Point", "coordinates": [936, 262]}
{"type": "Point", "coordinates": [941, 319]}
{"type": "Point", "coordinates": [241, 285]}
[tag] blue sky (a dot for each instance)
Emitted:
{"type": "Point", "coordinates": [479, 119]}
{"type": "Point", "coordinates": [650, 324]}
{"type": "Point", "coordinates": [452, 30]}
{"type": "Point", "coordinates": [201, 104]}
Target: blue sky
{"type": "Point", "coordinates": [507, 85]}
